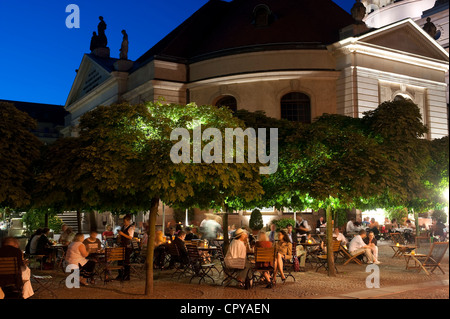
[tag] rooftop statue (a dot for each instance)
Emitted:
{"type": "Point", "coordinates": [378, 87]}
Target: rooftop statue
{"type": "Point", "coordinates": [124, 46]}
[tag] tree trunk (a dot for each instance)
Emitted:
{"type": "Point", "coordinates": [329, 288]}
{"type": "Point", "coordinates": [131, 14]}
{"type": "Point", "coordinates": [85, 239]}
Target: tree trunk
{"type": "Point", "coordinates": [79, 220]}
{"type": "Point", "coordinates": [226, 240]}
{"type": "Point", "coordinates": [46, 220]}
{"type": "Point", "coordinates": [330, 255]}
{"type": "Point", "coordinates": [416, 222]}
{"type": "Point", "coordinates": [92, 220]}
{"type": "Point", "coordinates": [151, 246]}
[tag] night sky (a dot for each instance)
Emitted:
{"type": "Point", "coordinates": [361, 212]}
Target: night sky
{"type": "Point", "coordinates": [39, 54]}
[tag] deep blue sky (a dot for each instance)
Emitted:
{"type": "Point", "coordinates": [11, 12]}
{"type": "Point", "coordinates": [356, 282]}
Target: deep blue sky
{"type": "Point", "coordinates": [39, 54]}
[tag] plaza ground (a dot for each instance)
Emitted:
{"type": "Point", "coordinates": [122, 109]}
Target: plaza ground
{"type": "Point", "coordinates": [396, 282]}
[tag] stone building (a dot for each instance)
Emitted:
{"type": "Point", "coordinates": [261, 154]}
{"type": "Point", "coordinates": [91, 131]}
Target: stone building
{"type": "Point", "coordinates": [293, 59]}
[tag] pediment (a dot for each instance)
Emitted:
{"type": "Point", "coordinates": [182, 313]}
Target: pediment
{"type": "Point", "coordinates": [406, 36]}
{"type": "Point", "coordinates": [89, 76]}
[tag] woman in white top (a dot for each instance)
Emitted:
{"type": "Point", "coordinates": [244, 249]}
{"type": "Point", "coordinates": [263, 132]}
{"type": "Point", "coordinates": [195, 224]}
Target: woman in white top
{"type": "Point", "coordinates": [76, 255]}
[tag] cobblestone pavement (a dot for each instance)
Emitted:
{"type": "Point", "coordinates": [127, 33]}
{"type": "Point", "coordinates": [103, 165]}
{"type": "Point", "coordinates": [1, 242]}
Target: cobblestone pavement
{"type": "Point", "coordinates": [395, 283]}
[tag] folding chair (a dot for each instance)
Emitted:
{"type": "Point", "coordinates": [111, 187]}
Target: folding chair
{"type": "Point", "coordinates": [323, 259]}
{"type": "Point", "coordinates": [175, 261]}
{"type": "Point", "coordinates": [197, 265]}
{"type": "Point", "coordinates": [423, 245]}
{"type": "Point", "coordinates": [114, 258]}
{"type": "Point", "coordinates": [230, 274]}
{"type": "Point", "coordinates": [288, 266]}
{"type": "Point", "coordinates": [349, 257]}
{"type": "Point", "coordinates": [431, 261]}
{"type": "Point", "coordinates": [43, 283]}
{"type": "Point", "coordinates": [11, 278]}
{"type": "Point", "coordinates": [264, 261]}
{"type": "Point", "coordinates": [400, 247]}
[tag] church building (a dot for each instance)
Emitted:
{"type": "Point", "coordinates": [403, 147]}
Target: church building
{"type": "Point", "coordinates": [292, 59]}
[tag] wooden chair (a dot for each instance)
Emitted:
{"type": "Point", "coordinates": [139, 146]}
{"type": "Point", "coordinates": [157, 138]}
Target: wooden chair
{"type": "Point", "coordinates": [399, 245]}
{"type": "Point", "coordinates": [114, 260]}
{"type": "Point", "coordinates": [264, 261]}
{"type": "Point", "coordinates": [423, 245]}
{"type": "Point", "coordinates": [197, 265]}
{"type": "Point", "coordinates": [349, 257]}
{"type": "Point", "coordinates": [323, 259]}
{"type": "Point", "coordinates": [11, 277]}
{"type": "Point", "coordinates": [429, 262]}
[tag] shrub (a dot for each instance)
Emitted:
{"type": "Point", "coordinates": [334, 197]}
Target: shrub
{"type": "Point", "coordinates": [256, 220]}
{"type": "Point", "coordinates": [283, 223]}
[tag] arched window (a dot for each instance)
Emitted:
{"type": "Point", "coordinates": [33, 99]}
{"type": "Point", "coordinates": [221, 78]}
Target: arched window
{"type": "Point", "coordinates": [228, 101]}
{"type": "Point", "coordinates": [262, 15]}
{"type": "Point", "coordinates": [296, 107]}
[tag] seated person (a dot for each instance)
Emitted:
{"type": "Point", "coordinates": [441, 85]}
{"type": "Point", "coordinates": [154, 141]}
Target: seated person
{"type": "Point", "coordinates": [283, 250]}
{"type": "Point", "coordinates": [108, 233]}
{"type": "Point", "coordinates": [160, 249]}
{"type": "Point", "coordinates": [351, 228]}
{"type": "Point", "coordinates": [67, 235]}
{"type": "Point", "coordinates": [182, 250]}
{"type": "Point", "coordinates": [43, 244]}
{"type": "Point", "coordinates": [236, 257]}
{"type": "Point", "coordinates": [92, 243]}
{"type": "Point", "coordinates": [357, 245]}
{"type": "Point", "coordinates": [263, 242]}
{"type": "Point", "coordinates": [76, 255]}
{"type": "Point", "coordinates": [272, 234]}
{"type": "Point", "coordinates": [32, 243]}
{"type": "Point", "coordinates": [189, 234]}
{"type": "Point", "coordinates": [291, 234]}
{"type": "Point", "coordinates": [11, 248]}
{"type": "Point", "coordinates": [374, 227]}
{"type": "Point", "coordinates": [321, 222]}
{"type": "Point", "coordinates": [371, 241]}
{"type": "Point", "coordinates": [339, 236]}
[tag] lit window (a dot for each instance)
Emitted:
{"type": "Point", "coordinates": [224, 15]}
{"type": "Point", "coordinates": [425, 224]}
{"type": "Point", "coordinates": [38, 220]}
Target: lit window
{"type": "Point", "coordinates": [296, 107]}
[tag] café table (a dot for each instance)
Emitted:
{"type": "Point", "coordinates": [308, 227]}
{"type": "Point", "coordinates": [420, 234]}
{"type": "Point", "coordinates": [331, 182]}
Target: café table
{"type": "Point", "coordinates": [58, 248]}
{"type": "Point", "coordinates": [310, 251]}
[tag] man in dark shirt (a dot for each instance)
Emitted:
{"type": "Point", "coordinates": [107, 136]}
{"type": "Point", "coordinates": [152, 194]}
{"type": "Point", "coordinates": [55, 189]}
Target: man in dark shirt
{"type": "Point", "coordinates": [189, 234]}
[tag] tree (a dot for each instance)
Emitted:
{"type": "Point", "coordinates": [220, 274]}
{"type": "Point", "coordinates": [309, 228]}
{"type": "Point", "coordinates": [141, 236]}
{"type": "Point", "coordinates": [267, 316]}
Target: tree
{"type": "Point", "coordinates": [19, 148]}
{"type": "Point", "coordinates": [123, 161]}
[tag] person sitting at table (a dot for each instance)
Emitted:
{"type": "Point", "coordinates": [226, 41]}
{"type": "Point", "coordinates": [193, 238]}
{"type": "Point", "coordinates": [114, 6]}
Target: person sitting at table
{"type": "Point", "coordinates": [283, 251]}
{"type": "Point", "coordinates": [272, 233]}
{"type": "Point", "coordinates": [30, 248]}
{"type": "Point", "coordinates": [374, 227]}
{"type": "Point", "coordinates": [182, 250]}
{"type": "Point", "coordinates": [366, 222]}
{"type": "Point", "coordinates": [160, 250]}
{"type": "Point", "coordinates": [43, 244]}
{"type": "Point", "coordinates": [189, 234]}
{"type": "Point", "coordinates": [236, 257]}
{"type": "Point", "coordinates": [394, 224]}
{"type": "Point", "coordinates": [92, 243]}
{"type": "Point", "coordinates": [351, 228]}
{"type": "Point", "coordinates": [76, 255]}
{"type": "Point", "coordinates": [371, 241]}
{"type": "Point", "coordinates": [67, 235]}
{"type": "Point", "coordinates": [357, 245]}
{"type": "Point", "coordinates": [339, 236]}
{"type": "Point", "coordinates": [11, 248]}
{"type": "Point", "coordinates": [108, 233]}
{"type": "Point", "coordinates": [263, 242]}
{"type": "Point", "coordinates": [321, 222]}
{"type": "Point", "coordinates": [291, 235]}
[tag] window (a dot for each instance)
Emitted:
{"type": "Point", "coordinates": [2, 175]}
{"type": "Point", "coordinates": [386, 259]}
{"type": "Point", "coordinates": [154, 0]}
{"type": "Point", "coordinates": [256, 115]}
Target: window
{"type": "Point", "coordinates": [296, 107]}
{"type": "Point", "coordinates": [228, 101]}
{"type": "Point", "coordinates": [262, 15]}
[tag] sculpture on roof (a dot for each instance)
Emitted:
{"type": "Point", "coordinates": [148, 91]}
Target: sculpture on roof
{"type": "Point", "coordinates": [430, 28]}
{"type": "Point", "coordinates": [102, 40]}
{"type": "Point", "coordinates": [358, 12]}
{"type": "Point", "coordinates": [94, 41]}
{"type": "Point", "coordinates": [124, 46]}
